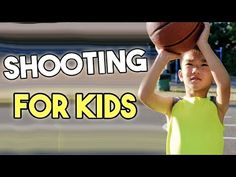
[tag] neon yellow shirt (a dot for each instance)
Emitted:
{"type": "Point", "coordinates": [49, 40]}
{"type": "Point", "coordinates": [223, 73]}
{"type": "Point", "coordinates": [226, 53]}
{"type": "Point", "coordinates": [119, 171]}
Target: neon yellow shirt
{"type": "Point", "coordinates": [195, 128]}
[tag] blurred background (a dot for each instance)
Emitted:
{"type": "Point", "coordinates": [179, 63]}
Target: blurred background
{"type": "Point", "coordinates": [144, 134]}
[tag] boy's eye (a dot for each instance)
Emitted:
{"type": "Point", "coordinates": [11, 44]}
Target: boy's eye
{"type": "Point", "coordinates": [189, 64]}
{"type": "Point", "coordinates": [204, 64]}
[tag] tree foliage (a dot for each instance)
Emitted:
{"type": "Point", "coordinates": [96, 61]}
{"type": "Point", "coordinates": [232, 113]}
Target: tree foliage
{"type": "Point", "coordinates": [223, 34]}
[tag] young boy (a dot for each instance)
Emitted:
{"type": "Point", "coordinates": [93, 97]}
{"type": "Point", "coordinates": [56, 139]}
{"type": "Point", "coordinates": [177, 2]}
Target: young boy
{"type": "Point", "coordinates": [195, 122]}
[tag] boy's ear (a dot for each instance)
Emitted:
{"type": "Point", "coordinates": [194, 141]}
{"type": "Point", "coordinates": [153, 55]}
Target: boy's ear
{"type": "Point", "coordinates": [180, 75]}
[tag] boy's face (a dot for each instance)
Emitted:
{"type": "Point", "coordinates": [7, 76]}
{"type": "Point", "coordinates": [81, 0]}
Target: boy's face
{"type": "Point", "coordinates": [195, 72]}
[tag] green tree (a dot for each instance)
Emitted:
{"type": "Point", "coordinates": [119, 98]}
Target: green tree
{"type": "Point", "coordinates": [223, 34]}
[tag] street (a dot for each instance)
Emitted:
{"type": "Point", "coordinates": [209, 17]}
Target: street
{"type": "Point", "coordinates": [144, 134]}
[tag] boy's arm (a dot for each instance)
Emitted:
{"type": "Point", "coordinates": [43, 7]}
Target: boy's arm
{"type": "Point", "coordinates": [218, 70]}
{"type": "Point", "coordinates": [147, 92]}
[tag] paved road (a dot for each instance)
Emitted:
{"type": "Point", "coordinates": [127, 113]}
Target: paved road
{"type": "Point", "coordinates": [142, 135]}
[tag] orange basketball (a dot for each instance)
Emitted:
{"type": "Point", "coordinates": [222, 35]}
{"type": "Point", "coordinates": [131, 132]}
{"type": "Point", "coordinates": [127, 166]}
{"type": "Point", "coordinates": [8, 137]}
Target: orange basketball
{"type": "Point", "coordinates": [176, 37]}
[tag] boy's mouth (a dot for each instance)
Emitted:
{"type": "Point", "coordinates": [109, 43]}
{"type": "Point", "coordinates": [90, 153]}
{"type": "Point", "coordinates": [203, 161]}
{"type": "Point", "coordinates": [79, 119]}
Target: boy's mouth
{"type": "Point", "coordinates": [194, 78]}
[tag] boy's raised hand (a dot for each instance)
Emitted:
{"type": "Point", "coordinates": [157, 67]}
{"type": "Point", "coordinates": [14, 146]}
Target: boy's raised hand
{"type": "Point", "coordinates": [169, 55]}
{"type": "Point", "coordinates": [203, 38]}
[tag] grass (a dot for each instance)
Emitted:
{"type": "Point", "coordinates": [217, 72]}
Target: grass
{"type": "Point", "coordinates": [6, 95]}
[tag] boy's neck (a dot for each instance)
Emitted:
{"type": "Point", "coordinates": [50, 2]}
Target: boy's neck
{"type": "Point", "coordinates": [199, 93]}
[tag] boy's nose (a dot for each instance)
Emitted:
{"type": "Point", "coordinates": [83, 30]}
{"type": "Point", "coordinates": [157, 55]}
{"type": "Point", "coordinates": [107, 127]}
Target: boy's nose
{"type": "Point", "coordinates": [195, 70]}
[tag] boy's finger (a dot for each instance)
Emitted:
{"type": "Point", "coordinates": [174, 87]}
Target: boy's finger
{"type": "Point", "coordinates": [158, 50]}
{"type": "Point", "coordinates": [207, 26]}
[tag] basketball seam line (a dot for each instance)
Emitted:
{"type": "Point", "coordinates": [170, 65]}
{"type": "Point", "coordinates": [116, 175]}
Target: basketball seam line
{"type": "Point", "coordinates": [183, 38]}
{"type": "Point", "coordinates": [159, 28]}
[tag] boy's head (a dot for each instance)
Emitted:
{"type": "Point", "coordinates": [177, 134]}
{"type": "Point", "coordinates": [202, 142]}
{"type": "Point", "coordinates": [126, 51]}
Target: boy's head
{"type": "Point", "coordinates": [195, 72]}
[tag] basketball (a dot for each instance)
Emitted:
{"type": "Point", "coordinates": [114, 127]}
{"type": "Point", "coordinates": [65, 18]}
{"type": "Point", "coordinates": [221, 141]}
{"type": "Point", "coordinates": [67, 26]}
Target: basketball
{"type": "Point", "coordinates": [177, 37]}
